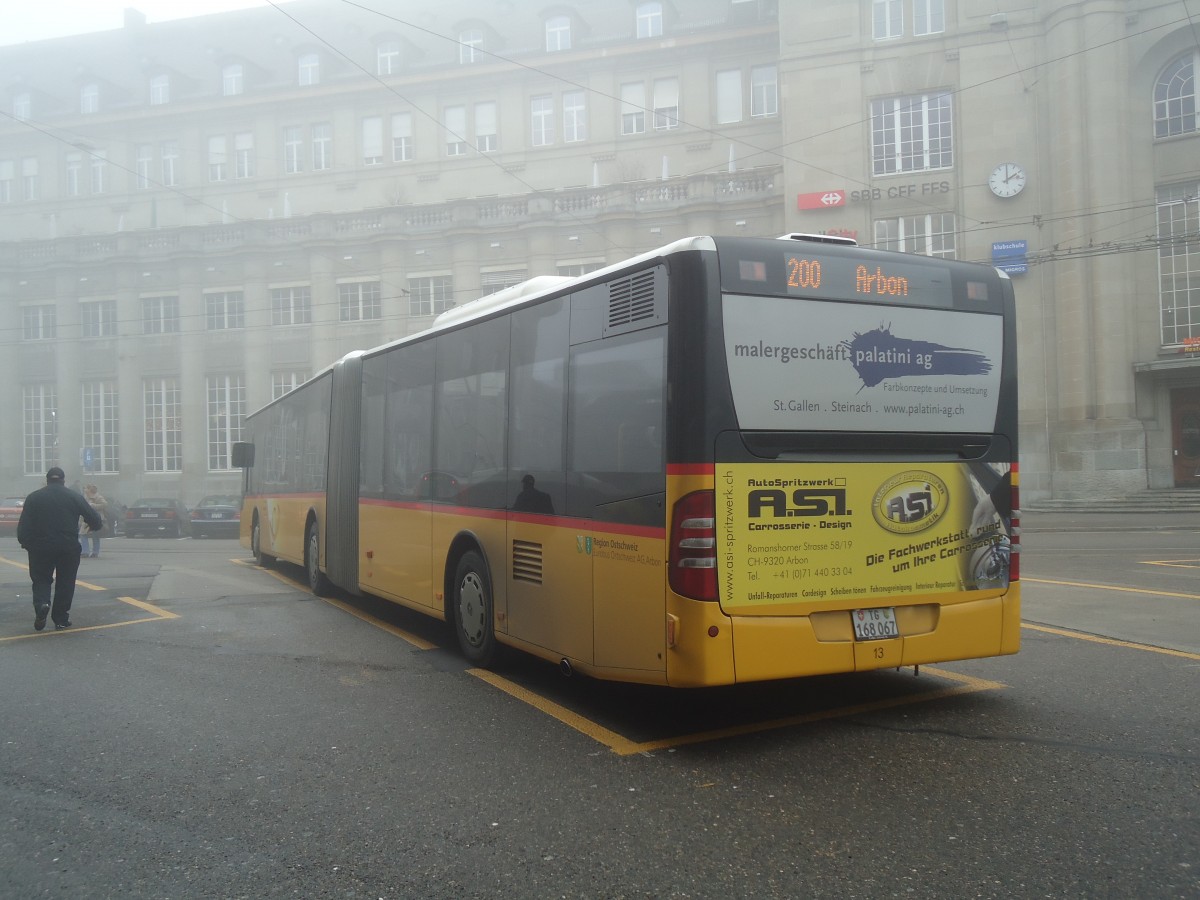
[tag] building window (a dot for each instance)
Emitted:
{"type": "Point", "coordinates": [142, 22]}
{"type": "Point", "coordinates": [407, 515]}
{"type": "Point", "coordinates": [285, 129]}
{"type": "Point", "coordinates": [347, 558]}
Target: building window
{"type": "Point", "coordinates": [74, 170]}
{"type": "Point", "coordinates": [929, 235]}
{"type": "Point", "coordinates": [558, 33]}
{"type": "Point", "coordinates": [729, 96]}
{"type": "Point", "coordinates": [99, 171]}
{"type": "Point", "coordinates": [541, 117]}
{"type": "Point", "coordinates": [243, 155]}
{"type": "Point", "coordinates": [454, 120]}
{"type": "Point", "coordinates": [402, 137]}
{"type": "Point", "coordinates": [160, 315]}
{"type": "Point", "coordinates": [911, 134]}
{"type": "Point", "coordinates": [286, 382]}
{"type": "Point", "coordinates": [649, 20]}
{"type": "Point", "coordinates": [216, 158]}
{"type": "Point", "coordinates": [100, 425]}
{"type": "Point", "coordinates": [1178, 209]}
{"type": "Point", "coordinates": [372, 141]}
{"type": "Point", "coordinates": [293, 150]}
{"type": "Point", "coordinates": [7, 175]}
{"type": "Point", "coordinates": [170, 163]}
{"type": "Point", "coordinates": [39, 323]}
{"type": "Point", "coordinates": [22, 106]}
{"type": "Point", "coordinates": [142, 163]}
{"type": "Point", "coordinates": [929, 17]}
{"type": "Point", "coordinates": [430, 295]}
{"type": "Point", "coordinates": [226, 413]}
{"type": "Point", "coordinates": [496, 281]}
{"type": "Point", "coordinates": [322, 146]}
{"type": "Point", "coordinates": [98, 318]}
{"type": "Point", "coordinates": [764, 91]}
{"type": "Point", "coordinates": [575, 269]}
{"type": "Point", "coordinates": [633, 108]}
{"type": "Point", "coordinates": [29, 178]}
{"type": "Point", "coordinates": [574, 116]}
{"type": "Point", "coordinates": [666, 103]}
{"type": "Point", "coordinates": [160, 90]}
{"type": "Point", "coordinates": [232, 81]}
{"type": "Point", "coordinates": [359, 301]}
{"type": "Point", "coordinates": [387, 58]}
{"type": "Point", "coordinates": [89, 98]}
{"type": "Point", "coordinates": [470, 43]}
{"type": "Point", "coordinates": [309, 69]}
{"type": "Point", "coordinates": [887, 19]}
{"type": "Point", "coordinates": [40, 402]}
{"type": "Point", "coordinates": [162, 416]}
{"type": "Point", "coordinates": [487, 140]}
{"type": "Point", "coordinates": [1175, 98]}
{"type": "Point", "coordinates": [291, 306]}
{"type": "Point", "coordinates": [224, 310]}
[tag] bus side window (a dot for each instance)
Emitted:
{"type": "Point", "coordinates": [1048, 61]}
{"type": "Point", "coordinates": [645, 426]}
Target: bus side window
{"type": "Point", "coordinates": [409, 412]}
{"type": "Point", "coordinates": [615, 421]}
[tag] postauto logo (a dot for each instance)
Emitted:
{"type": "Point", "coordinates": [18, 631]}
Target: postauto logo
{"type": "Point", "coordinates": [910, 501]}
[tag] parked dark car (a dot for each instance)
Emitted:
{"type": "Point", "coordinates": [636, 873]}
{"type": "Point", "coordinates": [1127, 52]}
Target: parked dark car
{"type": "Point", "coordinates": [10, 514]}
{"type": "Point", "coordinates": [217, 515]}
{"type": "Point", "coordinates": [157, 516]}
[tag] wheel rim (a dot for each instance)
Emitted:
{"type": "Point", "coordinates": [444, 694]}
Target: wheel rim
{"type": "Point", "coordinates": [254, 539]}
{"type": "Point", "coordinates": [472, 608]}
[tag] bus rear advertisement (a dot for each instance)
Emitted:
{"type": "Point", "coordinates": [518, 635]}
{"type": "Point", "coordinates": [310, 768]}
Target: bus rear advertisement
{"type": "Point", "coordinates": [726, 460]}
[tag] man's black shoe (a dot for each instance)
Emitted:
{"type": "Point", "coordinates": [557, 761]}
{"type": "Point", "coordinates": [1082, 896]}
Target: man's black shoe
{"type": "Point", "coordinates": [39, 617]}
{"type": "Point", "coordinates": [62, 626]}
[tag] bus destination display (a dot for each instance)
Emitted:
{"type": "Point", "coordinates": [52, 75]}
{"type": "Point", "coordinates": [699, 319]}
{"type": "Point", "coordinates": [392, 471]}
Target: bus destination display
{"type": "Point", "coordinates": [837, 278]}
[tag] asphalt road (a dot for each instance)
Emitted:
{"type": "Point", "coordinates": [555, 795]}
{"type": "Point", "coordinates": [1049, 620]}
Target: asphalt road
{"type": "Point", "coordinates": [210, 730]}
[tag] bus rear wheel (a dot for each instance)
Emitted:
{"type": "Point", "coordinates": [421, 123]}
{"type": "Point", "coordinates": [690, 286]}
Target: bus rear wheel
{"type": "Point", "coordinates": [472, 601]}
{"type": "Point", "coordinates": [317, 582]}
{"type": "Point", "coordinates": [260, 558]}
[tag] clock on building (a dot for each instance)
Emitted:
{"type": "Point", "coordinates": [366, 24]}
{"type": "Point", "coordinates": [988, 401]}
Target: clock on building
{"type": "Point", "coordinates": [1007, 180]}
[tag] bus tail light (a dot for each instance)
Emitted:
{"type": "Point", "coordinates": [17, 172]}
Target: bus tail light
{"type": "Point", "coordinates": [1014, 550]}
{"type": "Point", "coordinates": [693, 555]}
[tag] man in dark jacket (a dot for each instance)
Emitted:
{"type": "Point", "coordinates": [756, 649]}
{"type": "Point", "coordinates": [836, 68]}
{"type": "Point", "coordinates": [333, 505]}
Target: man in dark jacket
{"type": "Point", "coordinates": [49, 531]}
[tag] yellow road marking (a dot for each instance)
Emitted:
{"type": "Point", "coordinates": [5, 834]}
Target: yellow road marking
{"type": "Point", "coordinates": [25, 568]}
{"type": "Point", "coordinates": [1111, 642]}
{"type": "Point", "coordinates": [1113, 587]}
{"type": "Point", "coordinates": [1173, 563]}
{"type": "Point", "coordinates": [419, 643]}
{"type": "Point", "coordinates": [623, 746]}
{"type": "Point", "coordinates": [158, 615]}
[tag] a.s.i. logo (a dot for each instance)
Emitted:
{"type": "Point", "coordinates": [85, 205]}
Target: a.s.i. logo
{"type": "Point", "coordinates": [910, 501]}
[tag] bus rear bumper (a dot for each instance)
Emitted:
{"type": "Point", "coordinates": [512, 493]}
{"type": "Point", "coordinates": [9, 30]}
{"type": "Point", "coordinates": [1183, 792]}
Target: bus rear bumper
{"type": "Point", "coordinates": [769, 647]}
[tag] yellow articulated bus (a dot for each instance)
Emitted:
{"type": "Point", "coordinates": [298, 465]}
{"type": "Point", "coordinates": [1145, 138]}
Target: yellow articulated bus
{"type": "Point", "coordinates": [726, 460]}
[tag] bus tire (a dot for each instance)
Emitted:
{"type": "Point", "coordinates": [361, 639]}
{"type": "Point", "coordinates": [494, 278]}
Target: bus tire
{"type": "Point", "coordinates": [260, 558]}
{"type": "Point", "coordinates": [317, 582]}
{"type": "Point", "coordinates": [472, 602]}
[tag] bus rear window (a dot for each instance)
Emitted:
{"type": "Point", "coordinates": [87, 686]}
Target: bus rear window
{"type": "Point", "coordinates": [816, 365]}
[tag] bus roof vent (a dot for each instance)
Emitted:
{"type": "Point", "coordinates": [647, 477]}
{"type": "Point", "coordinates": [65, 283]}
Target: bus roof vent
{"type": "Point", "coordinates": [635, 302]}
{"type": "Point", "coordinates": [819, 238]}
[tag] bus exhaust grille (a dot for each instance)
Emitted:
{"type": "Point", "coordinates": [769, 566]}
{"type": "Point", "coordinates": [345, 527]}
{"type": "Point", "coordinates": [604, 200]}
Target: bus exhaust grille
{"type": "Point", "coordinates": [527, 562]}
{"type": "Point", "coordinates": [631, 299]}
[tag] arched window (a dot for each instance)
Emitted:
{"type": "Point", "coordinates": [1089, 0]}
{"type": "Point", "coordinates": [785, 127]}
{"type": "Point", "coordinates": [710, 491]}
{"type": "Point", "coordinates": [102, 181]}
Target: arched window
{"type": "Point", "coordinates": [232, 80]}
{"type": "Point", "coordinates": [649, 18]}
{"type": "Point", "coordinates": [309, 69]}
{"type": "Point", "coordinates": [558, 33]}
{"type": "Point", "coordinates": [1175, 97]}
{"type": "Point", "coordinates": [89, 98]}
{"type": "Point", "coordinates": [470, 43]}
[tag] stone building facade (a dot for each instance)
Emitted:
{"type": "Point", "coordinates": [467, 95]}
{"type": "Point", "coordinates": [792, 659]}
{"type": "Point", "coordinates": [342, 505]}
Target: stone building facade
{"type": "Point", "coordinates": [197, 215]}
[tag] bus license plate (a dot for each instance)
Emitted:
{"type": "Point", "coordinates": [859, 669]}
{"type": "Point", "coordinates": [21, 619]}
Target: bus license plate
{"type": "Point", "coordinates": [875, 624]}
